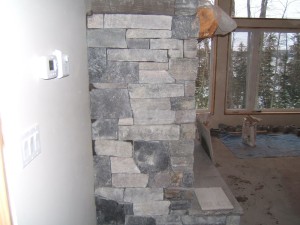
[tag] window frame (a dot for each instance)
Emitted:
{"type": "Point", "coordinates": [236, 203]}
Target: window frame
{"type": "Point", "coordinates": [261, 25]}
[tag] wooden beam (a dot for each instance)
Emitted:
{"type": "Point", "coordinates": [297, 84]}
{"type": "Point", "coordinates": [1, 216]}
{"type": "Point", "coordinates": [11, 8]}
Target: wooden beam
{"type": "Point", "coordinates": [151, 7]}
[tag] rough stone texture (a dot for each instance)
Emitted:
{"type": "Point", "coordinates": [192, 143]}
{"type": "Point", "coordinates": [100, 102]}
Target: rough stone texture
{"type": "Point", "coordinates": [186, 7]}
{"type": "Point", "coordinates": [183, 162]}
{"type": "Point", "coordinates": [129, 180]}
{"type": "Point", "coordinates": [96, 62]}
{"type": "Point", "coordinates": [179, 194]}
{"type": "Point", "coordinates": [177, 179]}
{"type": "Point", "coordinates": [154, 66]}
{"type": "Point", "coordinates": [126, 122]}
{"type": "Point", "coordinates": [168, 220]}
{"type": "Point", "coordinates": [151, 208]}
{"type": "Point", "coordinates": [108, 86]}
{"type": "Point", "coordinates": [181, 148]}
{"type": "Point", "coordinates": [190, 48]}
{"type": "Point", "coordinates": [155, 90]}
{"type": "Point", "coordinates": [203, 220]}
{"type": "Point", "coordinates": [102, 172]}
{"type": "Point", "coordinates": [123, 165]}
{"type": "Point", "coordinates": [185, 27]}
{"type": "Point", "coordinates": [182, 103]}
{"type": "Point", "coordinates": [149, 132]}
{"type": "Point", "coordinates": [105, 129]}
{"type": "Point", "coordinates": [175, 53]}
{"type": "Point", "coordinates": [166, 44]}
{"type": "Point", "coordinates": [186, 116]}
{"type": "Point", "coordinates": [151, 157]}
{"type": "Point", "coordinates": [156, 22]}
{"type": "Point", "coordinates": [140, 220]}
{"type": "Point", "coordinates": [116, 194]}
{"type": "Point", "coordinates": [142, 195]}
{"type": "Point", "coordinates": [110, 103]}
{"type": "Point", "coordinates": [113, 148]}
{"type": "Point", "coordinates": [184, 69]}
{"type": "Point", "coordinates": [142, 33]}
{"type": "Point", "coordinates": [150, 104]}
{"type": "Point", "coordinates": [113, 38]}
{"type": "Point", "coordinates": [113, 72]}
{"type": "Point", "coordinates": [233, 220]}
{"type": "Point", "coordinates": [137, 55]}
{"type": "Point", "coordinates": [188, 131]}
{"type": "Point", "coordinates": [112, 212]}
{"type": "Point", "coordinates": [189, 88]}
{"type": "Point", "coordinates": [188, 178]}
{"type": "Point", "coordinates": [161, 180]}
{"type": "Point", "coordinates": [180, 205]}
{"type": "Point", "coordinates": [154, 117]}
{"type": "Point", "coordinates": [155, 76]}
{"type": "Point", "coordinates": [138, 43]}
{"type": "Point", "coordinates": [95, 21]}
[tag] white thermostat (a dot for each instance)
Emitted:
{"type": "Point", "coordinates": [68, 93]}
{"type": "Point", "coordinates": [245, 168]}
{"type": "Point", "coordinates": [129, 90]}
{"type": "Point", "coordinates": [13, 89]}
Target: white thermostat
{"type": "Point", "coordinates": [49, 67]}
{"type": "Point", "coordinates": [62, 63]}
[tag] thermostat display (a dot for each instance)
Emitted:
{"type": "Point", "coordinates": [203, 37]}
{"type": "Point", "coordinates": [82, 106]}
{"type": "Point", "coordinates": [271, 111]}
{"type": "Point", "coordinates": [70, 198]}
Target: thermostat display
{"type": "Point", "coordinates": [49, 68]}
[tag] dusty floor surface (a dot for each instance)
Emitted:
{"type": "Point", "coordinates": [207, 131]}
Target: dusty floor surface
{"type": "Point", "coordinates": [268, 189]}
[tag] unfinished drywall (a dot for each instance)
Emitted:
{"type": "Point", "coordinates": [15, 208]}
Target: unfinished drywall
{"type": "Point", "coordinates": [57, 186]}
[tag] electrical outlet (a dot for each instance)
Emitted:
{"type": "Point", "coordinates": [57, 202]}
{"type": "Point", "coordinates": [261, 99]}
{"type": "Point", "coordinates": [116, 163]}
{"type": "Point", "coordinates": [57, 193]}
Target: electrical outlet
{"type": "Point", "coordinates": [31, 146]}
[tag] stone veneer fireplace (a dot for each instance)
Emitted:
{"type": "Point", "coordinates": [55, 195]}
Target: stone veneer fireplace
{"type": "Point", "coordinates": [142, 72]}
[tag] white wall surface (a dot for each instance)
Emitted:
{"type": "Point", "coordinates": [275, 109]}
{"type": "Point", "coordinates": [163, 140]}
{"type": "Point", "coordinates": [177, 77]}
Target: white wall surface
{"type": "Point", "coordinates": [56, 188]}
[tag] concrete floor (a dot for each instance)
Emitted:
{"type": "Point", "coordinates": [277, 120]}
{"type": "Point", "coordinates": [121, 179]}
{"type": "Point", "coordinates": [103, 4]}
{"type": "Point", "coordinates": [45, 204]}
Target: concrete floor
{"type": "Point", "coordinates": [268, 189]}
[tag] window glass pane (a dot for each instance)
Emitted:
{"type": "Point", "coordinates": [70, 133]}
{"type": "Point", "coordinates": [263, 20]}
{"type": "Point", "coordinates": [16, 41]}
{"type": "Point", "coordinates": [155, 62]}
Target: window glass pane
{"type": "Point", "coordinates": [236, 83]}
{"type": "Point", "coordinates": [288, 9]}
{"type": "Point", "coordinates": [202, 92]}
{"type": "Point", "coordinates": [279, 73]}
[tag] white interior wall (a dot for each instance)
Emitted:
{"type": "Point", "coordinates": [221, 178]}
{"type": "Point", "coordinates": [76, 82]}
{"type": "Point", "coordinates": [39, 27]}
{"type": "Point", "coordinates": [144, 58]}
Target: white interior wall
{"type": "Point", "coordinates": [57, 186]}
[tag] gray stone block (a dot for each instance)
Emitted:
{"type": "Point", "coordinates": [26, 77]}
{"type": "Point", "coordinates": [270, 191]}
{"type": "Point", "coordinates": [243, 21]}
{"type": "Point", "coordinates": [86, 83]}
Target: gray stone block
{"type": "Point", "coordinates": [184, 69]}
{"type": "Point", "coordinates": [129, 180]}
{"type": "Point", "coordinates": [151, 208]}
{"type": "Point", "coordinates": [140, 195]}
{"type": "Point", "coordinates": [180, 205]}
{"type": "Point", "coordinates": [175, 53]}
{"type": "Point", "coordinates": [188, 131]}
{"type": "Point", "coordinates": [142, 33]}
{"type": "Point", "coordinates": [116, 194]}
{"type": "Point", "coordinates": [149, 132]}
{"type": "Point", "coordinates": [112, 212]}
{"type": "Point", "coordinates": [123, 165]}
{"type": "Point", "coordinates": [166, 44]}
{"type": "Point", "coordinates": [181, 148]}
{"type": "Point", "coordinates": [188, 179]}
{"type": "Point", "coordinates": [161, 180]}
{"type": "Point", "coordinates": [112, 38]}
{"type": "Point", "coordinates": [105, 129]}
{"type": "Point", "coordinates": [126, 122]}
{"type": "Point", "coordinates": [190, 48]}
{"type": "Point", "coordinates": [203, 220]}
{"type": "Point", "coordinates": [113, 148]}
{"type": "Point", "coordinates": [186, 116]}
{"type": "Point", "coordinates": [96, 62]}
{"type": "Point", "coordinates": [182, 161]}
{"type": "Point", "coordinates": [95, 21]}
{"type": "Point", "coordinates": [138, 104]}
{"type": "Point", "coordinates": [151, 157]}
{"type": "Point", "coordinates": [153, 66]}
{"type": "Point", "coordinates": [189, 88]}
{"type": "Point", "coordinates": [113, 72]}
{"type": "Point", "coordinates": [154, 117]}
{"type": "Point", "coordinates": [137, 55]}
{"type": "Point", "coordinates": [182, 103]}
{"type": "Point", "coordinates": [138, 43]}
{"type": "Point", "coordinates": [155, 76]}
{"type": "Point", "coordinates": [139, 220]}
{"type": "Point", "coordinates": [155, 90]}
{"type": "Point", "coordinates": [233, 220]}
{"type": "Point", "coordinates": [186, 7]}
{"type": "Point", "coordinates": [185, 27]}
{"type": "Point", "coordinates": [156, 22]}
{"type": "Point", "coordinates": [102, 172]}
{"type": "Point", "coordinates": [109, 86]}
{"type": "Point", "coordinates": [110, 103]}
{"type": "Point", "coordinates": [168, 220]}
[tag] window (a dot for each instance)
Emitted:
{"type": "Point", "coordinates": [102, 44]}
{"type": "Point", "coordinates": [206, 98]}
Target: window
{"type": "Point", "coordinates": [263, 72]}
